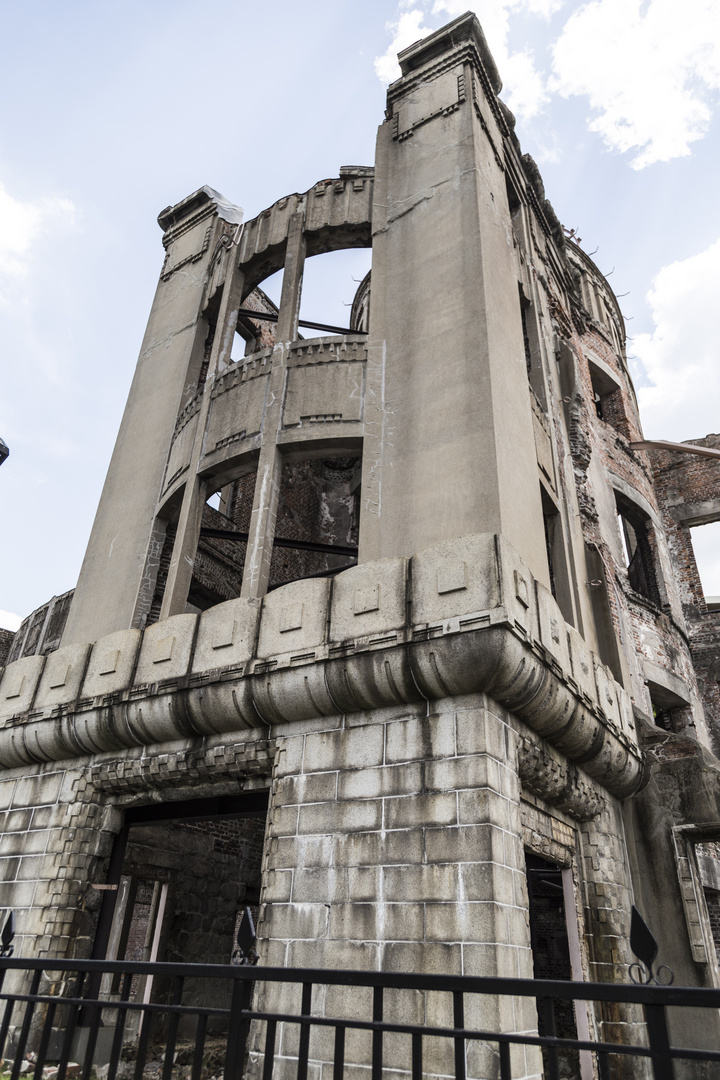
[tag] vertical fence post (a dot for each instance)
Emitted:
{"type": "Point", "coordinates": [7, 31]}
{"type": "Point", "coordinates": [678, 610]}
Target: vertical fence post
{"type": "Point", "coordinates": [239, 1027]}
{"type": "Point", "coordinates": [459, 1022]}
{"type": "Point", "coordinates": [659, 1040]}
{"type": "Point", "coordinates": [304, 1046]}
{"type": "Point", "coordinates": [377, 1038]}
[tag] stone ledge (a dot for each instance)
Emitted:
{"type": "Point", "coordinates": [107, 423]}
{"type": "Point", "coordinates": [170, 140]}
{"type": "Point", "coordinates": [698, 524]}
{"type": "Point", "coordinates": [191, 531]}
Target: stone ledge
{"type": "Point", "coordinates": [468, 619]}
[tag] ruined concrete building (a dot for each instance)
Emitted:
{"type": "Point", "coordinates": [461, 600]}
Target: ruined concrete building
{"type": "Point", "coordinates": [440, 642]}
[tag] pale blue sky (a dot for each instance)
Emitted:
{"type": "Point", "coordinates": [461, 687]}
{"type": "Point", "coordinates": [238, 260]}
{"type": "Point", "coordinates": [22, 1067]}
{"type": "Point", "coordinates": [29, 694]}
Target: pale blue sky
{"type": "Point", "coordinates": [111, 111]}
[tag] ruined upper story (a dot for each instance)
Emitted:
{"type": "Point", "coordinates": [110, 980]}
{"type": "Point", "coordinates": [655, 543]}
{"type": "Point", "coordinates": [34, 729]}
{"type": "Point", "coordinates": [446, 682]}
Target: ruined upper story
{"type": "Point", "coordinates": [480, 390]}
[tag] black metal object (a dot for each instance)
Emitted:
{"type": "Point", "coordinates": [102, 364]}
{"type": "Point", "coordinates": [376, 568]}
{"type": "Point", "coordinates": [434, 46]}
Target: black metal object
{"type": "Point", "coordinates": [645, 947]}
{"type": "Point", "coordinates": [267, 316]}
{"type": "Point", "coordinates": [34, 1011]}
{"type": "Point", "coordinates": [246, 938]}
{"type": "Point", "coordinates": [4, 451]}
{"type": "Point", "coordinates": [6, 936]}
{"type": "Point", "coordinates": [279, 541]}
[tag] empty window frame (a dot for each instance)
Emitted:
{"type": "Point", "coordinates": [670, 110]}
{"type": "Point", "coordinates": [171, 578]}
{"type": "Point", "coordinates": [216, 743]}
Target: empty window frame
{"type": "Point", "coordinates": [670, 712]}
{"type": "Point", "coordinates": [607, 397]}
{"type": "Point", "coordinates": [638, 545]}
{"type": "Point", "coordinates": [606, 634]}
{"type": "Point", "coordinates": [706, 549]}
{"type": "Point", "coordinates": [531, 343]}
{"type": "Point", "coordinates": [318, 511]}
{"type": "Point", "coordinates": [557, 558]}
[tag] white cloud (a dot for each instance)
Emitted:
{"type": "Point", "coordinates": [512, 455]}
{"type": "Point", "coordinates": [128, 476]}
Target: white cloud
{"type": "Point", "coordinates": [524, 86]}
{"type": "Point", "coordinates": [650, 69]}
{"type": "Point", "coordinates": [9, 620]}
{"type": "Point", "coordinates": [407, 30]}
{"type": "Point", "coordinates": [680, 356]}
{"type": "Point", "coordinates": [22, 223]}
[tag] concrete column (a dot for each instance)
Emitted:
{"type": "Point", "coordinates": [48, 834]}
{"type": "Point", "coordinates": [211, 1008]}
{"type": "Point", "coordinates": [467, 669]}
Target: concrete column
{"type": "Point", "coordinates": [111, 579]}
{"type": "Point", "coordinates": [449, 443]}
{"type": "Point", "coordinates": [289, 313]}
{"type": "Point", "coordinates": [267, 485]}
{"type": "Point", "coordinates": [195, 492]}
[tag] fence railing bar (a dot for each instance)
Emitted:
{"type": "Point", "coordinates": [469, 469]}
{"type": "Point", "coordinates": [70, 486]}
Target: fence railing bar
{"type": "Point", "coordinates": [5, 1026]}
{"type": "Point", "coordinates": [45, 1039]}
{"type": "Point", "coordinates": [505, 1067]}
{"type": "Point", "coordinates": [171, 1040]}
{"type": "Point", "coordinates": [603, 1061]}
{"type": "Point", "coordinates": [269, 1053]}
{"type": "Point", "coordinates": [120, 1021]}
{"type": "Point", "coordinates": [467, 1033]}
{"type": "Point", "coordinates": [94, 1012]}
{"type": "Point", "coordinates": [417, 1057]}
{"type": "Point", "coordinates": [25, 1029]}
{"type": "Point", "coordinates": [44, 1014]}
{"type": "Point", "coordinates": [339, 1055]}
{"type": "Point", "coordinates": [200, 1035]}
{"type": "Point", "coordinates": [546, 1013]}
{"type": "Point", "coordinates": [304, 1045]}
{"type": "Point", "coordinates": [658, 1038]}
{"type": "Point", "coordinates": [74, 1005]}
{"type": "Point", "coordinates": [377, 1039]}
{"type": "Point", "coordinates": [459, 1022]}
{"type": "Point", "coordinates": [147, 1018]}
{"type": "Point", "coordinates": [239, 1027]}
{"type": "Point", "coordinates": [700, 997]}
{"type": "Point", "coordinates": [137, 1006]}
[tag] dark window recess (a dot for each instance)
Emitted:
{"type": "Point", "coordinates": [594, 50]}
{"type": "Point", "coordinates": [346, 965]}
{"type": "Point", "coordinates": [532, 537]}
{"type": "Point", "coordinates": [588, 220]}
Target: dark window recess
{"type": "Point", "coordinates": [551, 955]}
{"type": "Point", "coordinates": [319, 504]}
{"type": "Point", "coordinates": [608, 400]}
{"type": "Point", "coordinates": [219, 564]}
{"type": "Point", "coordinates": [549, 523]}
{"type": "Point", "coordinates": [560, 584]}
{"type": "Point", "coordinates": [531, 345]}
{"type": "Point", "coordinates": [670, 712]}
{"type": "Point", "coordinates": [526, 340]}
{"type": "Point", "coordinates": [638, 544]}
{"type": "Point", "coordinates": [605, 630]}
{"type": "Point", "coordinates": [207, 352]}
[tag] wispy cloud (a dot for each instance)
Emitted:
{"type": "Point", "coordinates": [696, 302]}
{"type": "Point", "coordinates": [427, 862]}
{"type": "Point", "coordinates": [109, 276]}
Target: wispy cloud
{"type": "Point", "coordinates": [651, 72]}
{"type": "Point", "coordinates": [23, 223]}
{"type": "Point", "coordinates": [680, 356]}
{"type": "Point", "coordinates": [525, 90]}
{"type": "Point", "coordinates": [9, 620]}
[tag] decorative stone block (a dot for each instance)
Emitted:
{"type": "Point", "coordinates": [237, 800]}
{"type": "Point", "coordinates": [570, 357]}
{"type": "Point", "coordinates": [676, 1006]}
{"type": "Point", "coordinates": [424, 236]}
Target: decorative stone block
{"type": "Point", "coordinates": [294, 617]}
{"type": "Point", "coordinates": [62, 676]}
{"type": "Point", "coordinates": [166, 649]}
{"type": "Point", "coordinates": [111, 664]}
{"type": "Point", "coordinates": [369, 600]}
{"type": "Point", "coordinates": [226, 635]}
{"type": "Point", "coordinates": [18, 684]}
{"type": "Point", "coordinates": [455, 578]}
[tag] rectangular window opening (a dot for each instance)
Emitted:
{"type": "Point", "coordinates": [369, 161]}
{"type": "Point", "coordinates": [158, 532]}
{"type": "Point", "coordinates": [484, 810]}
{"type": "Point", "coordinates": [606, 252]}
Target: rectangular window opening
{"type": "Point", "coordinates": [638, 547]}
{"type": "Point", "coordinates": [318, 510]}
{"type": "Point", "coordinates": [706, 549]}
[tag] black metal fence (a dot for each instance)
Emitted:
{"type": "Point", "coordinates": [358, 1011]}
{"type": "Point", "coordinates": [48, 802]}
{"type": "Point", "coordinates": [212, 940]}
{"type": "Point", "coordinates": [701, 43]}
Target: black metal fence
{"type": "Point", "coordinates": [158, 1020]}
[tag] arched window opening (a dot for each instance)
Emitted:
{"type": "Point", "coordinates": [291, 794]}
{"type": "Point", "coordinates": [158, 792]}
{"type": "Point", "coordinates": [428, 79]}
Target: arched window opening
{"type": "Point", "coordinates": [330, 283]}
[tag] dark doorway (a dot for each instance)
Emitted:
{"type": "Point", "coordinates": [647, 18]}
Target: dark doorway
{"type": "Point", "coordinates": [179, 879]}
{"type": "Point", "coordinates": [551, 956]}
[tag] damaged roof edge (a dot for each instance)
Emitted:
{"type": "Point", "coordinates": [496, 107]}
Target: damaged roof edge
{"type": "Point", "coordinates": [227, 211]}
